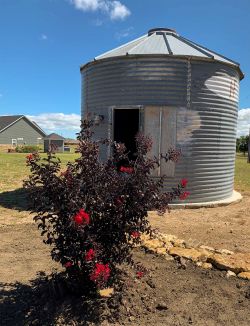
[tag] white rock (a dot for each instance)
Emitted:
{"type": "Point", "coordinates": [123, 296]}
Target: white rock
{"type": "Point", "coordinates": [207, 248]}
{"type": "Point", "coordinates": [230, 274]}
{"type": "Point", "coordinates": [226, 252]}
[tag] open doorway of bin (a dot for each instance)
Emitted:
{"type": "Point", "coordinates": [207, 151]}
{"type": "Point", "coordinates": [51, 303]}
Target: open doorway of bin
{"type": "Point", "coordinates": [126, 124]}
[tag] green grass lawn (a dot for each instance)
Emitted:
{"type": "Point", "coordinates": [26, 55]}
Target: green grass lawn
{"type": "Point", "coordinates": [242, 174]}
{"type": "Point", "coordinates": [13, 170]}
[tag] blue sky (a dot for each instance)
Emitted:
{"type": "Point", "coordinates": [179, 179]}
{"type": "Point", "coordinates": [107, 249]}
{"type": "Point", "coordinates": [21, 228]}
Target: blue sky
{"type": "Point", "coordinates": [43, 43]}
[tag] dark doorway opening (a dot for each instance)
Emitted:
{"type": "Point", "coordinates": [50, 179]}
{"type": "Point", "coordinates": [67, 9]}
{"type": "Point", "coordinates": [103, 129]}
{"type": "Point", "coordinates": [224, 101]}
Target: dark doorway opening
{"type": "Point", "coordinates": [126, 126]}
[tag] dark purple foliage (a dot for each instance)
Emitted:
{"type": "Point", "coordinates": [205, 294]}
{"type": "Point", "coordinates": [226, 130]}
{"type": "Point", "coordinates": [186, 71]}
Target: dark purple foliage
{"type": "Point", "coordinates": [92, 214]}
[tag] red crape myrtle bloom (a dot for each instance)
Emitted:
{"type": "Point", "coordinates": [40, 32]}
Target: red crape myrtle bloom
{"type": "Point", "coordinates": [139, 274]}
{"type": "Point", "coordinates": [125, 169]}
{"type": "Point", "coordinates": [184, 195]}
{"type": "Point", "coordinates": [68, 264]}
{"type": "Point", "coordinates": [90, 255]}
{"type": "Point", "coordinates": [29, 158]}
{"type": "Point", "coordinates": [81, 217]}
{"type": "Point", "coordinates": [135, 234]}
{"type": "Point", "coordinates": [100, 274]}
{"type": "Point", "coordinates": [184, 183]}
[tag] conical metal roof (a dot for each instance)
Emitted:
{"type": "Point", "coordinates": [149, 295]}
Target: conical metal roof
{"type": "Point", "coordinates": [165, 41]}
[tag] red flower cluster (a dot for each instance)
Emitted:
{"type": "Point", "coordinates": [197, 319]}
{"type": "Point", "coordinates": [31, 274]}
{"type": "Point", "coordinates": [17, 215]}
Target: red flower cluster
{"type": "Point", "coordinates": [139, 274]}
{"type": "Point", "coordinates": [81, 217]}
{"type": "Point", "coordinates": [100, 274]}
{"type": "Point", "coordinates": [184, 195]}
{"type": "Point", "coordinates": [90, 255]}
{"type": "Point", "coordinates": [29, 158]}
{"type": "Point", "coordinates": [68, 264]}
{"type": "Point", "coordinates": [184, 183]}
{"type": "Point", "coordinates": [125, 169]}
{"type": "Point", "coordinates": [135, 234]}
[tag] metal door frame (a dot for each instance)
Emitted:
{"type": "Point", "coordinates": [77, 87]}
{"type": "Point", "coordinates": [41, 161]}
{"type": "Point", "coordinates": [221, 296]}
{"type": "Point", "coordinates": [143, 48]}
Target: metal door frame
{"type": "Point", "coordinates": [111, 123]}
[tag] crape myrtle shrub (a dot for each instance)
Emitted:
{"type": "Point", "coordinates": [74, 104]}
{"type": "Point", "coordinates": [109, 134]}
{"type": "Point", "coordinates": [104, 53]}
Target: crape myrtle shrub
{"type": "Point", "coordinates": [93, 213]}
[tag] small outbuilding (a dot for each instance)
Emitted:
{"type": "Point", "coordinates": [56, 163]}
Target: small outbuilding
{"type": "Point", "coordinates": [181, 94]}
{"type": "Point", "coordinates": [55, 142]}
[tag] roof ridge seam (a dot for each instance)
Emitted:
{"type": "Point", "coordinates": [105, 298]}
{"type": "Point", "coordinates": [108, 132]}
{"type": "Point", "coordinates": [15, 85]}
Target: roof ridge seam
{"type": "Point", "coordinates": [167, 44]}
{"type": "Point", "coordinates": [194, 46]}
{"type": "Point", "coordinates": [220, 55]}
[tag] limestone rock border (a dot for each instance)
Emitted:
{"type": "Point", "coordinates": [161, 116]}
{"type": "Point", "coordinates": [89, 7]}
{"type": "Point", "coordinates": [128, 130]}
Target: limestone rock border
{"type": "Point", "coordinates": [206, 257]}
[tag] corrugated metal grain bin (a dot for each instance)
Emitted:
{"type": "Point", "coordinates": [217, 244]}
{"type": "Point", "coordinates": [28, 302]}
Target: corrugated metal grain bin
{"type": "Point", "coordinates": [179, 92]}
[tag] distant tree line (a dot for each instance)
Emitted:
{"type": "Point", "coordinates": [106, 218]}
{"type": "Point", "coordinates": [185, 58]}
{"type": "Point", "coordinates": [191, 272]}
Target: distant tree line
{"type": "Point", "coordinates": [243, 146]}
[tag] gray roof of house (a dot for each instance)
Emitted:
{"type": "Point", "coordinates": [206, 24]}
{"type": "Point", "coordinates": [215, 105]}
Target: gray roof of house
{"type": "Point", "coordinates": [7, 120]}
{"type": "Point", "coordinates": [165, 41]}
{"type": "Point", "coordinates": [55, 136]}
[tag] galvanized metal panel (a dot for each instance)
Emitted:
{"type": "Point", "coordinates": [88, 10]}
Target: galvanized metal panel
{"type": "Point", "coordinates": [154, 44]}
{"type": "Point", "coordinates": [160, 125]}
{"type": "Point", "coordinates": [213, 143]}
{"type": "Point", "coordinates": [152, 129]}
{"type": "Point", "coordinates": [168, 138]}
{"type": "Point", "coordinates": [209, 133]}
{"type": "Point", "coordinates": [151, 81]}
{"type": "Point", "coordinates": [178, 47]}
{"type": "Point", "coordinates": [121, 50]}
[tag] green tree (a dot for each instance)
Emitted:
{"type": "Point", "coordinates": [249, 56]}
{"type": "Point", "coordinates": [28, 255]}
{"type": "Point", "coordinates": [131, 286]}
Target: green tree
{"type": "Point", "coordinates": [242, 144]}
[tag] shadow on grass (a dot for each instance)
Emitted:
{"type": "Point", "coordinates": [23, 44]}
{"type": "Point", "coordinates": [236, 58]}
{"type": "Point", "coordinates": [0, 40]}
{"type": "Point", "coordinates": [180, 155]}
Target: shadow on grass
{"type": "Point", "coordinates": [15, 199]}
{"type": "Point", "coordinates": [44, 303]}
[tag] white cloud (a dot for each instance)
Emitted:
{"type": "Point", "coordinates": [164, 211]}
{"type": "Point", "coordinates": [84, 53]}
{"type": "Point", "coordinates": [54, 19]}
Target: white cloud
{"type": "Point", "coordinates": [57, 122]}
{"type": "Point", "coordinates": [87, 5]}
{"type": "Point", "coordinates": [115, 9]}
{"type": "Point", "coordinates": [118, 11]}
{"type": "Point", "coordinates": [43, 37]}
{"type": "Point", "coordinates": [124, 33]}
{"type": "Point", "coordinates": [243, 122]}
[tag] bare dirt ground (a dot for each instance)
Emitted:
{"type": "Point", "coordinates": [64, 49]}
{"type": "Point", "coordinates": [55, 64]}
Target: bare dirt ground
{"type": "Point", "coordinates": [167, 295]}
{"type": "Point", "coordinates": [225, 227]}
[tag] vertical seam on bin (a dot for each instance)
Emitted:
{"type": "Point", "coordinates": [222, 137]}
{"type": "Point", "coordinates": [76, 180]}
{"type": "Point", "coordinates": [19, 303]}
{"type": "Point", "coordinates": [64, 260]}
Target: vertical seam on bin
{"type": "Point", "coordinates": [159, 146]}
{"type": "Point", "coordinates": [110, 125]}
{"type": "Point", "coordinates": [189, 81]}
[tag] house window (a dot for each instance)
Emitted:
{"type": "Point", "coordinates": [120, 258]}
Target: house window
{"type": "Point", "coordinates": [39, 140]}
{"type": "Point", "coordinates": [14, 142]}
{"type": "Point", "coordinates": [19, 141]}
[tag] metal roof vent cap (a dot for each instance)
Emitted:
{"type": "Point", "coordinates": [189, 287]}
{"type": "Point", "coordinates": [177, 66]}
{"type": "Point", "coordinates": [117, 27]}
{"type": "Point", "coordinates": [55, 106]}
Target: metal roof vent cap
{"type": "Point", "coordinates": [162, 30]}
